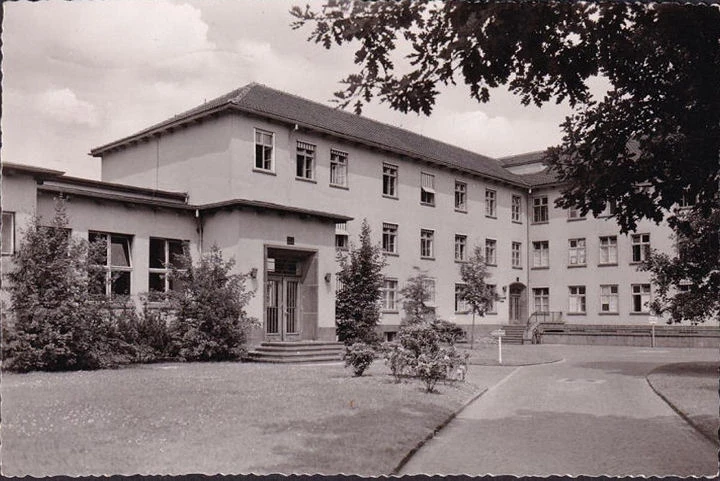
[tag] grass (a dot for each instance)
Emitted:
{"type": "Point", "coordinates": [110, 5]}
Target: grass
{"type": "Point", "coordinates": [485, 353]}
{"type": "Point", "coordinates": [692, 389]}
{"type": "Point", "coordinates": [217, 418]}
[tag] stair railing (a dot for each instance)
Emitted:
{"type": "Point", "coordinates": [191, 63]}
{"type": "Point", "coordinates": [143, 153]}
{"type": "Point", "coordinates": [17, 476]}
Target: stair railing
{"type": "Point", "coordinates": [540, 317]}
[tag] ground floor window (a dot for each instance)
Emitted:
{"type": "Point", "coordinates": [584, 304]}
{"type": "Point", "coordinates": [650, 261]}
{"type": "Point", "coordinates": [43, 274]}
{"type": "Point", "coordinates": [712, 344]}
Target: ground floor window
{"type": "Point", "coordinates": [8, 233]}
{"type": "Point", "coordinates": [389, 294]}
{"type": "Point", "coordinates": [492, 308]}
{"type": "Point", "coordinates": [577, 299]}
{"type": "Point", "coordinates": [113, 264]}
{"type": "Point", "coordinates": [609, 298]}
{"type": "Point", "coordinates": [541, 297]}
{"type": "Point", "coordinates": [164, 255]}
{"type": "Point", "coordinates": [461, 304]}
{"type": "Point", "coordinates": [342, 238]}
{"type": "Point", "coordinates": [641, 297]}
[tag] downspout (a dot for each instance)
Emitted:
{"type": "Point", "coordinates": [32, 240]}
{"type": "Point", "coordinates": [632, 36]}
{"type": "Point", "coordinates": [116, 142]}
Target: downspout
{"type": "Point", "coordinates": [527, 250]}
{"type": "Point", "coordinates": [199, 229]}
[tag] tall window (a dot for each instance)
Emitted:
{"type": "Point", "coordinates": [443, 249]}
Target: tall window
{"type": "Point", "coordinates": [264, 146]}
{"type": "Point", "coordinates": [460, 247]}
{"type": "Point", "coordinates": [427, 189]}
{"type": "Point", "coordinates": [577, 299]}
{"type": "Point", "coordinates": [390, 176]}
{"type": "Point", "coordinates": [540, 209]}
{"type": "Point", "coordinates": [163, 257]}
{"type": "Point", "coordinates": [338, 168]}
{"type": "Point", "coordinates": [541, 298]}
{"type": "Point", "coordinates": [609, 298]}
{"type": "Point", "coordinates": [461, 304]}
{"type": "Point", "coordinates": [491, 252]}
{"type": "Point", "coordinates": [427, 241]}
{"type": "Point", "coordinates": [8, 233]}
{"type": "Point", "coordinates": [640, 297]}
{"type": "Point", "coordinates": [490, 203]}
{"type": "Point", "coordinates": [305, 161]}
{"type": "Point", "coordinates": [114, 265]}
{"type": "Point", "coordinates": [576, 252]}
{"type": "Point", "coordinates": [515, 257]}
{"type": "Point", "coordinates": [640, 247]}
{"type": "Point", "coordinates": [541, 254]}
{"type": "Point", "coordinates": [460, 196]}
{"type": "Point", "coordinates": [389, 238]}
{"type": "Point", "coordinates": [516, 208]}
{"type": "Point", "coordinates": [430, 288]}
{"type": "Point", "coordinates": [390, 294]}
{"type": "Point", "coordinates": [608, 250]}
{"type": "Point", "coordinates": [341, 236]}
{"type": "Point", "coordinates": [491, 308]}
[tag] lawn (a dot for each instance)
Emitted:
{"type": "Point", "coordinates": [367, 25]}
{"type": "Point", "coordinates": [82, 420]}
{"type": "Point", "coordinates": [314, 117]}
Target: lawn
{"type": "Point", "coordinates": [485, 353]}
{"type": "Point", "coordinates": [218, 418]}
{"type": "Point", "coordinates": [692, 389]}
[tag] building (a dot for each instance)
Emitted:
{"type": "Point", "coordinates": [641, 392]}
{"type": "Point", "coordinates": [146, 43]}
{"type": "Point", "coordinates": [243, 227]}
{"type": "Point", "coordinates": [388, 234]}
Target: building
{"type": "Point", "coordinates": [280, 182]}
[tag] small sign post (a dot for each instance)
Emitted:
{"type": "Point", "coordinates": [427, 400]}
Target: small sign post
{"type": "Point", "coordinates": [499, 333]}
{"type": "Point", "coordinates": [653, 321]}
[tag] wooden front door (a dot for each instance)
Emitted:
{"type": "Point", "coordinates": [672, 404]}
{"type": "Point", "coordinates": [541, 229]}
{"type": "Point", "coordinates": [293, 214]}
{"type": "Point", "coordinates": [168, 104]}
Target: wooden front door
{"type": "Point", "coordinates": [281, 309]}
{"type": "Point", "coordinates": [514, 307]}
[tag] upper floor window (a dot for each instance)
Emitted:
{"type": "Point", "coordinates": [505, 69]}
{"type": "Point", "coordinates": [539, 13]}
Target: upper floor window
{"type": "Point", "coordinates": [305, 161]}
{"type": "Point", "coordinates": [610, 209]}
{"type": "Point", "coordinates": [460, 247]}
{"type": "Point", "coordinates": [264, 150]}
{"type": "Point", "coordinates": [608, 250]}
{"type": "Point", "coordinates": [390, 178]}
{"type": "Point", "coordinates": [164, 256]}
{"type": "Point", "coordinates": [516, 254]}
{"type": "Point", "coordinates": [390, 294]}
{"type": "Point", "coordinates": [341, 236]}
{"type": "Point", "coordinates": [577, 299]}
{"type": "Point", "coordinates": [113, 265]}
{"type": "Point", "coordinates": [687, 200]}
{"type": "Point", "coordinates": [460, 196]}
{"type": "Point", "coordinates": [576, 252]}
{"type": "Point", "coordinates": [540, 209]}
{"type": "Point", "coordinates": [640, 247]}
{"type": "Point", "coordinates": [8, 233]}
{"type": "Point", "coordinates": [516, 208]}
{"type": "Point", "coordinates": [427, 189]}
{"type": "Point", "coordinates": [574, 213]}
{"type": "Point", "coordinates": [490, 203]}
{"type": "Point", "coordinates": [641, 297]}
{"type": "Point", "coordinates": [541, 254]}
{"type": "Point", "coordinates": [491, 252]}
{"type": "Point", "coordinates": [389, 238]}
{"type": "Point", "coordinates": [338, 168]}
{"type": "Point", "coordinates": [427, 243]}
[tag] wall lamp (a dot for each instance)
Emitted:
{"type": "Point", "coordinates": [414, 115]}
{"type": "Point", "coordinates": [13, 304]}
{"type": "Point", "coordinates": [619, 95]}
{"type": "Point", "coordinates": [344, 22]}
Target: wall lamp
{"type": "Point", "coordinates": [328, 276]}
{"type": "Point", "coordinates": [253, 273]}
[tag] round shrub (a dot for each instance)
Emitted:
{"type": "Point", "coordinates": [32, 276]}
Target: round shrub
{"type": "Point", "coordinates": [359, 355]}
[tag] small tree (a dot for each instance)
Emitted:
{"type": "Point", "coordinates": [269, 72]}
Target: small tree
{"type": "Point", "coordinates": [478, 295]}
{"type": "Point", "coordinates": [210, 320]}
{"type": "Point", "coordinates": [415, 294]}
{"type": "Point", "coordinates": [357, 304]}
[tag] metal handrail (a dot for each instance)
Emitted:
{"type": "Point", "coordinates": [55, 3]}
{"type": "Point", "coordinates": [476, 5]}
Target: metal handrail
{"type": "Point", "coordinates": [537, 318]}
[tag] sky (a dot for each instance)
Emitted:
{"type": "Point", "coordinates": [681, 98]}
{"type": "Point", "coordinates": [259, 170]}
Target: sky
{"type": "Point", "coordinates": [79, 74]}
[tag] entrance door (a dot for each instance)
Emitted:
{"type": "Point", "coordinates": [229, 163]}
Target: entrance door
{"type": "Point", "coordinates": [517, 307]}
{"type": "Point", "coordinates": [514, 307]}
{"type": "Point", "coordinates": [281, 312]}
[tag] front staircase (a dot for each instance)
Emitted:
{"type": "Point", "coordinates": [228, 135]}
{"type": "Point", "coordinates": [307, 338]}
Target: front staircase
{"type": "Point", "coordinates": [297, 352]}
{"type": "Point", "coordinates": [513, 334]}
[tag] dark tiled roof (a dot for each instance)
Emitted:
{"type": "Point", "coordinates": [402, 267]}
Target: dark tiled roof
{"type": "Point", "coordinates": [264, 101]}
{"type": "Point", "coordinates": [520, 159]}
{"type": "Point", "coordinates": [546, 177]}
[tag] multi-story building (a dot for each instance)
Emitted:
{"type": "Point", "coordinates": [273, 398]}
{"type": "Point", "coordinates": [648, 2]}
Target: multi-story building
{"type": "Point", "coordinates": [280, 182]}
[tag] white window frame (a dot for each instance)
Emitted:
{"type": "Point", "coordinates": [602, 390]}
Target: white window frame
{"type": "Point", "coordinates": [427, 189]}
{"type": "Point", "coordinates": [574, 214]}
{"type": "Point", "coordinates": [339, 161]}
{"type": "Point", "coordinates": [390, 295]}
{"type": "Point", "coordinates": [108, 267]}
{"type": "Point", "coordinates": [460, 247]}
{"type": "Point", "coordinates": [263, 160]}
{"type": "Point", "coordinates": [541, 253]}
{"type": "Point", "coordinates": [541, 298]}
{"type": "Point", "coordinates": [608, 250]}
{"type": "Point", "coordinates": [644, 292]}
{"type": "Point", "coordinates": [166, 269]}
{"type": "Point", "coordinates": [389, 238]}
{"type": "Point", "coordinates": [640, 247]}
{"type": "Point", "coordinates": [577, 252]}
{"type": "Point", "coordinates": [341, 233]}
{"type": "Point", "coordinates": [490, 203]}
{"type": "Point", "coordinates": [305, 154]}
{"type": "Point", "coordinates": [390, 180]}
{"type": "Point", "coordinates": [491, 248]}
{"type": "Point", "coordinates": [461, 196]}
{"type": "Point", "coordinates": [541, 210]}
{"type": "Point", "coordinates": [8, 225]}
{"type": "Point", "coordinates": [610, 297]}
{"type": "Point", "coordinates": [516, 208]}
{"type": "Point", "coordinates": [430, 286]}
{"type": "Point", "coordinates": [427, 244]}
{"type": "Point", "coordinates": [515, 254]}
{"type": "Point", "coordinates": [577, 300]}
{"type": "Point", "coordinates": [461, 305]}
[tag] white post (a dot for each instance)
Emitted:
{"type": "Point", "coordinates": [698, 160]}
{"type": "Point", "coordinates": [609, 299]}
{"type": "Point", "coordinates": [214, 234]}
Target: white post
{"type": "Point", "coordinates": [653, 335]}
{"type": "Point", "coordinates": [500, 349]}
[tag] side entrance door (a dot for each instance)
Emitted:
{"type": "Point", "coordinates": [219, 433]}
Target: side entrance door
{"type": "Point", "coordinates": [281, 312]}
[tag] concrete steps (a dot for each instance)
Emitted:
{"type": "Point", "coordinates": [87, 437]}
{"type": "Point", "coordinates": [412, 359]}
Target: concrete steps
{"type": "Point", "coordinates": [513, 334]}
{"type": "Point", "coordinates": [297, 352]}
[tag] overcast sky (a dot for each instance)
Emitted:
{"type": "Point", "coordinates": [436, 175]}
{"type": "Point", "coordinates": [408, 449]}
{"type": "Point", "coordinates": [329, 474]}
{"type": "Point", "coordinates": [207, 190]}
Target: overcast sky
{"type": "Point", "coordinates": [80, 74]}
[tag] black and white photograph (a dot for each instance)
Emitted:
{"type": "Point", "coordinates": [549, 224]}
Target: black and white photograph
{"type": "Point", "coordinates": [374, 238]}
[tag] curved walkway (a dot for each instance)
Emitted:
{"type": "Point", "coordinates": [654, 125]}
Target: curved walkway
{"type": "Point", "coordinates": [593, 414]}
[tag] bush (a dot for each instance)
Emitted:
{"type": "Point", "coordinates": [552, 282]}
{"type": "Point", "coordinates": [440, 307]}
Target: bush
{"type": "Point", "coordinates": [360, 355]}
{"type": "Point", "coordinates": [148, 333]}
{"type": "Point", "coordinates": [434, 366]}
{"type": "Point", "coordinates": [398, 359]}
{"type": "Point", "coordinates": [448, 332]}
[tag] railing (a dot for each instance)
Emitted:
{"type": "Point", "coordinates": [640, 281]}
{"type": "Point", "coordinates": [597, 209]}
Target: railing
{"type": "Point", "coordinates": [537, 318]}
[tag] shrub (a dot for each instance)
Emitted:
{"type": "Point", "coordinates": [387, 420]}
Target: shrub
{"type": "Point", "coordinates": [448, 332]}
{"type": "Point", "coordinates": [359, 355]}
{"type": "Point", "coordinates": [415, 294]}
{"type": "Point", "coordinates": [398, 359]}
{"type": "Point", "coordinates": [148, 333]}
{"type": "Point", "coordinates": [434, 366]}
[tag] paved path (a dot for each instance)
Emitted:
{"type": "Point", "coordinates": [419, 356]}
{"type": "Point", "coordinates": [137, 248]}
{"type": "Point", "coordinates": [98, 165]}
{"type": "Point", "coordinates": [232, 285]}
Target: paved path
{"type": "Point", "coordinates": [591, 414]}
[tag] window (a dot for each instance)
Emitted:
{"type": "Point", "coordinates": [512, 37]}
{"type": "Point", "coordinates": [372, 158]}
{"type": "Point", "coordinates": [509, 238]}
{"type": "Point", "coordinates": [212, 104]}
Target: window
{"type": "Point", "coordinates": [540, 209]}
{"type": "Point", "coordinates": [460, 247]}
{"type": "Point", "coordinates": [516, 208]}
{"type": "Point", "coordinates": [429, 285]}
{"type": "Point", "coordinates": [305, 161]}
{"type": "Point", "coordinates": [574, 214]}
{"type": "Point", "coordinates": [338, 168]}
{"type": "Point", "coordinates": [112, 277]}
{"type": "Point", "coordinates": [541, 254]}
{"type": "Point", "coordinates": [389, 294]}
{"type": "Point", "coordinates": [390, 176]}
{"type": "Point", "coordinates": [427, 249]}
{"type": "Point", "coordinates": [264, 146]}
{"type": "Point", "coordinates": [427, 189]}
{"type": "Point", "coordinates": [8, 233]}
{"type": "Point", "coordinates": [490, 252]}
{"type": "Point", "coordinates": [576, 252]}
{"type": "Point", "coordinates": [163, 257]}
{"type": "Point", "coordinates": [460, 196]}
{"type": "Point", "coordinates": [640, 247]}
{"type": "Point", "coordinates": [610, 209]}
{"type": "Point", "coordinates": [687, 200]}
{"type": "Point", "coordinates": [341, 236]}
{"type": "Point", "coordinates": [577, 300]}
{"type": "Point", "coordinates": [389, 238]}
{"type": "Point", "coordinates": [608, 250]}
{"type": "Point", "coordinates": [490, 206]}
{"type": "Point", "coordinates": [461, 304]}
{"type": "Point", "coordinates": [640, 297]}
{"type": "Point", "coordinates": [609, 298]}
{"type": "Point", "coordinates": [516, 254]}
{"type": "Point", "coordinates": [491, 305]}
{"type": "Point", "coordinates": [541, 298]}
